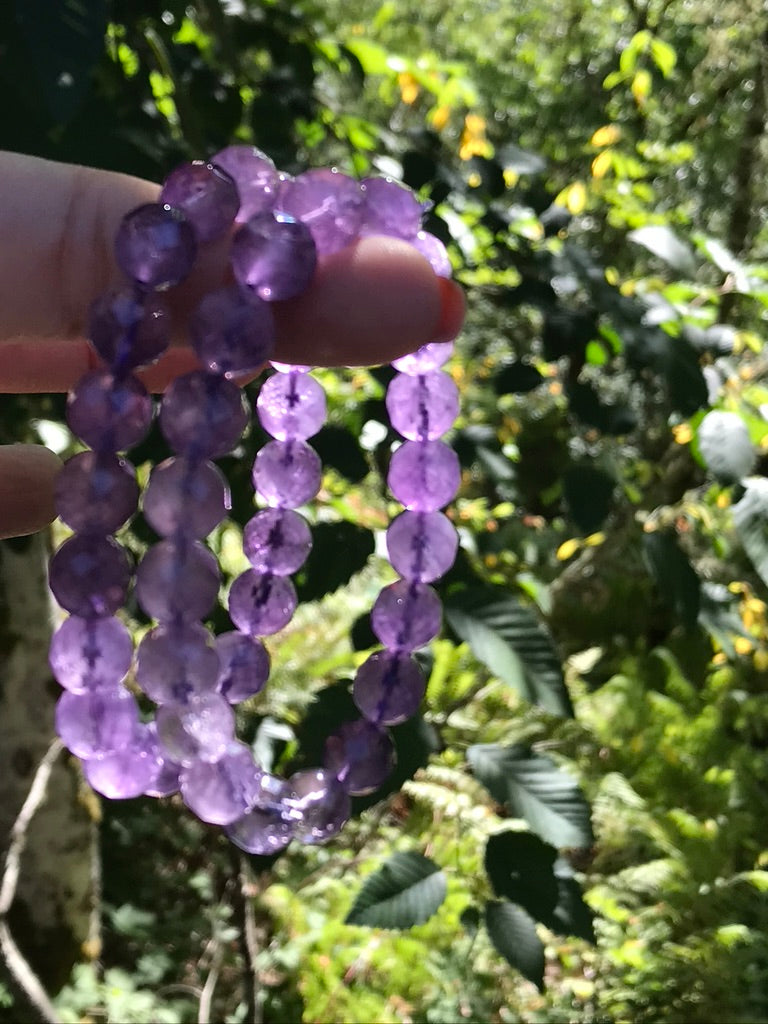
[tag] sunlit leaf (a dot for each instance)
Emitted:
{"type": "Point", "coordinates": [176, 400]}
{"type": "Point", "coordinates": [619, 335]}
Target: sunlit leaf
{"type": "Point", "coordinates": [406, 890]}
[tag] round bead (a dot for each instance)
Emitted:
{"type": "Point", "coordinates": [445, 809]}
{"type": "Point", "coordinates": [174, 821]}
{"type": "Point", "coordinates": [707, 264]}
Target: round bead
{"type": "Point", "coordinates": [406, 615]}
{"type": "Point", "coordinates": [360, 755]}
{"type": "Point", "coordinates": [155, 246]}
{"type": "Point", "coordinates": [433, 250]}
{"type": "Point", "coordinates": [389, 209]}
{"type": "Point", "coordinates": [429, 357]}
{"type": "Point", "coordinates": [231, 334]}
{"type": "Point", "coordinates": [255, 176]}
{"type": "Point", "coordinates": [261, 604]}
{"type": "Point", "coordinates": [424, 407]}
{"type": "Point", "coordinates": [205, 194]}
{"type": "Point", "coordinates": [424, 475]}
{"type": "Point", "coordinates": [202, 729]}
{"type": "Point", "coordinates": [290, 367]}
{"type": "Point", "coordinates": [96, 493]}
{"type": "Point", "coordinates": [274, 256]}
{"type": "Point", "coordinates": [291, 406]}
{"type": "Point", "coordinates": [202, 415]}
{"type": "Point", "coordinates": [277, 541]}
{"type": "Point", "coordinates": [287, 473]}
{"type": "Point", "coordinates": [422, 545]}
{"type": "Point", "coordinates": [221, 791]}
{"type": "Point", "coordinates": [185, 498]}
{"type": "Point", "coordinates": [262, 832]}
{"type": "Point", "coordinates": [177, 581]}
{"type": "Point", "coordinates": [244, 666]}
{"type": "Point", "coordinates": [110, 414]}
{"type": "Point", "coordinates": [165, 773]}
{"type": "Point", "coordinates": [90, 654]}
{"type": "Point", "coordinates": [121, 774]}
{"type": "Point", "coordinates": [174, 662]}
{"type": "Point", "coordinates": [328, 202]}
{"type": "Point", "coordinates": [389, 688]}
{"type": "Point", "coordinates": [91, 724]}
{"type": "Point", "coordinates": [317, 804]}
{"type": "Point", "coordinates": [89, 576]}
{"type": "Point", "coordinates": [128, 330]}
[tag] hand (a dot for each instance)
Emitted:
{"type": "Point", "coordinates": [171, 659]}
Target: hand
{"type": "Point", "coordinates": [368, 304]}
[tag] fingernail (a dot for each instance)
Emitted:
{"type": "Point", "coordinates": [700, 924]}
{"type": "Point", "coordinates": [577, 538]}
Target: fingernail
{"type": "Point", "coordinates": [453, 309]}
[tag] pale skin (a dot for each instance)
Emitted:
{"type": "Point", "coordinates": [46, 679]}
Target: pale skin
{"type": "Point", "coordinates": [368, 304]}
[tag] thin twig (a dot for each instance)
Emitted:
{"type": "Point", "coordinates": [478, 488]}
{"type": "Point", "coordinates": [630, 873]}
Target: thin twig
{"type": "Point", "coordinates": [243, 905]}
{"type": "Point", "coordinates": [25, 977]}
{"type": "Point", "coordinates": [206, 996]}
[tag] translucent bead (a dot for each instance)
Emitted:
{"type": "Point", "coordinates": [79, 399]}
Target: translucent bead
{"type": "Point", "coordinates": [287, 473]}
{"type": "Point", "coordinates": [129, 330]}
{"type": "Point", "coordinates": [360, 755]}
{"type": "Point", "coordinates": [202, 729]}
{"type": "Point", "coordinates": [406, 615]}
{"type": "Point", "coordinates": [92, 724]}
{"type": "Point", "coordinates": [121, 774]}
{"type": "Point", "coordinates": [244, 666]}
{"type": "Point", "coordinates": [110, 414]}
{"type": "Point", "coordinates": [433, 250]}
{"type": "Point", "coordinates": [290, 367]}
{"type": "Point", "coordinates": [390, 208]}
{"type": "Point", "coordinates": [221, 791]}
{"type": "Point", "coordinates": [277, 541]}
{"type": "Point", "coordinates": [422, 545]}
{"type": "Point", "coordinates": [274, 256]}
{"type": "Point", "coordinates": [261, 604]}
{"type": "Point", "coordinates": [89, 576]}
{"type": "Point", "coordinates": [424, 475]}
{"type": "Point", "coordinates": [291, 406]}
{"type": "Point", "coordinates": [175, 662]}
{"type": "Point", "coordinates": [389, 688]}
{"type": "Point", "coordinates": [255, 176]}
{"type": "Point", "coordinates": [177, 581]}
{"type": "Point", "coordinates": [206, 195]}
{"type": "Point", "coordinates": [328, 202]}
{"type": "Point", "coordinates": [262, 832]}
{"type": "Point", "coordinates": [155, 246]}
{"type": "Point", "coordinates": [424, 407]}
{"type": "Point", "coordinates": [202, 415]}
{"type": "Point", "coordinates": [231, 334]}
{"type": "Point", "coordinates": [90, 654]}
{"type": "Point", "coordinates": [429, 357]}
{"type": "Point", "coordinates": [96, 493]}
{"type": "Point", "coordinates": [165, 773]}
{"type": "Point", "coordinates": [185, 497]}
{"type": "Point", "coordinates": [317, 804]}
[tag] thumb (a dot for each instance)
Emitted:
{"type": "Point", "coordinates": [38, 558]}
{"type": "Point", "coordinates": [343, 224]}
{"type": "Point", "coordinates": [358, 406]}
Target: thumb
{"type": "Point", "coordinates": [27, 475]}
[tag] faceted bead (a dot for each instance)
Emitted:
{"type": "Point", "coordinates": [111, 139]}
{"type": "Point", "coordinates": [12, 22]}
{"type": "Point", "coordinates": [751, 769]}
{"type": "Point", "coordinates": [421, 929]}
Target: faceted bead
{"type": "Point", "coordinates": [244, 666]}
{"type": "Point", "coordinates": [424, 475]}
{"type": "Point", "coordinates": [91, 724]}
{"type": "Point", "coordinates": [274, 256]}
{"type": "Point", "coordinates": [261, 604]}
{"type": "Point", "coordinates": [424, 407]}
{"type": "Point", "coordinates": [177, 580]}
{"type": "Point", "coordinates": [206, 195]}
{"type": "Point", "coordinates": [202, 415]}
{"type": "Point", "coordinates": [185, 497]}
{"type": "Point", "coordinates": [121, 774]}
{"type": "Point", "coordinates": [89, 576]}
{"type": "Point", "coordinates": [431, 356]}
{"type": "Point", "coordinates": [290, 367]}
{"type": "Point", "coordinates": [406, 615]}
{"type": "Point", "coordinates": [255, 176]}
{"type": "Point", "coordinates": [221, 791]}
{"type": "Point", "coordinates": [90, 654]}
{"type": "Point", "coordinates": [231, 334]}
{"type": "Point", "coordinates": [155, 246]}
{"type": "Point", "coordinates": [174, 662]}
{"type": "Point", "coordinates": [110, 414]}
{"type": "Point", "coordinates": [263, 832]}
{"type": "Point", "coordinates": [360, 755]}
{"type": "Point", "coordinates": [389, 688]}
{"type": "Point", "coordinates": [165, 773]}
{"type": "Point", "coordinates": [390, 209]}
{"type": "Point", "coordinates": [433, 250]}
{"type": "Point", "coordinates": [202, 729]}
{"type": "Point", "coordinates": [329, 203]}
{"type": "Point", "coordinates": [422, 545]}
{"type": "Point", "coordinates": [128, 330]}
{"type": "Point", "coordinates": [277, 541]}
{"type": "Point", "coordinates": [287, 473]}
{"type": "Point", "coordinates": [291, 406]}
{"type": "Point", "coordinates": [317, 804]}
{"type": "Point", "coordinates": [96, 493]}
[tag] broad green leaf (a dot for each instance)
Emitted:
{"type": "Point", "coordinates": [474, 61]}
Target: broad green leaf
{"type": "Point", "coordinates": [520, 867]}
{"type": "Point", "coordinates": [674, 575]}
{"type": "Point", "coordinates": [517, 378]}
{"type": "Point", "coordinates": [339, 550]}
{"type": "Point", "coordinates": [407, 890]}
{"type": "Point", "coordinates": [662, 241]}
{"type": "Point", "coordinates": [513, 932]}
{"type": "Point", "coordinates": [751, 518]}
{"type": "Point", "coordinates": [725, 445]}
{"type": "Point", "coordinates": [664, 56]}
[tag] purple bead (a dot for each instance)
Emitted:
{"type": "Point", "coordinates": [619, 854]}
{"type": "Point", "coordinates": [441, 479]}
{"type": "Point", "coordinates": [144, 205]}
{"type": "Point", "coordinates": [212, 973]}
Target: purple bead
{"type": "Point", "coordinates": [255, 176]}
{"type": "Point", "coordinates": [165, 773]}
{"type": "Point", "coordinates": [244, 666]}
{"type": "Point", "coordinates": [389, 688]}
{"type": "Point", "coordinates": [390, 209]}
{"type": "Point", "coordinates": [155, 246]}
{"type": "Point", "coordinates": [202, 415]}
{"type": "Point", "coordinates": [221, 791]}
{"type": "Point", "coordinates": [291, 406]}
{"type": "Point", "coordinates": [177, 581]}
{"type": "Point", "coordinates": [433, 250]}
{"type": "Point", "coordinates": [424, 407]}
{"type": "Point", "coordinates": [360, 755]}
{"type": "Point", "coordinates": [261, 604]}
{"type": "Point", "coordinates": [127, 330]}
{"type": "Point", "coordinates": [110, 414]}
{"type": "Point", "coordinates": [96, 493]}
{"type": "Point", "coordinates": [175, 662]}
{"type": "Point", "coordinates": [202, 729]}
{"type": "Point", "coordinates": [262, 832]}
{"type": "Point", "coordinates": [317, 804]}
{"type": "Point", "coordinates": [329, 203]}
{"type": "Point", "coordinates": [121, 774]}
{"type": "Point", "coordinates": [185, 498]}
{"type": "Point", "coordinates": [429, 357]}
{"type": "Point", "coordinates": [406, 615]}
{"type": "Point", "coordinates": [277, 541]}
{"type": "Point", "coordinates": [274, 256]}
{"type": "Point", "coordinates": [287, 473]}
{"type": "Point", "coordinates": [290, 367]}
{"type": "Point", "coordinates": [231, 334]}
{"type": "Point", "coordinates": [424, 475]}
{"type": "Point", "coordinates": [91, 724]}
{"type": "Point", "coordinates": [206, 195]}
{"type": "Point", "coordinates": [89, 576]}
{"type": "Point", "coordinates": [90, 654]}
{"type": "Point", "coordinates": [422, 545]}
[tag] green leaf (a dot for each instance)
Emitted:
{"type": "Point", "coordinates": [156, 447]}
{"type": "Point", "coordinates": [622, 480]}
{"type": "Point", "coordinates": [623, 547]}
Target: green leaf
{"type": "Point", "coordinates": [517, 378]}
{"type": "Point", "coordinates": [725, 445]}
{"type": "Point", "coordinates": [571, 915]}
{"type": "Point", "coordinates": [339, 550]}
{"type": "Point", "coordinates": [674, 575]}
{"type": "Point", "coordinates": [662, 241]}
{"type": "Point", "coordinates": [510, 641]}
{"type": "Point", "coordinates": [750, 516]}
{"type": "Point", "coordinates": [532, 787]}
{"type": "Point", "coordinates": [513, 933]}
{"type": "Point", "coordinates": [407, 890]}
{"type": "Point", "coordinates": [520, 867]}
{"type": "Point", "coordinates": [664, 56]}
